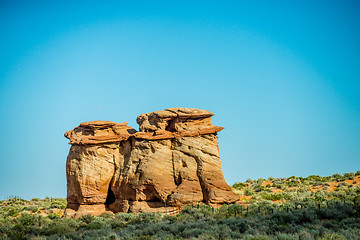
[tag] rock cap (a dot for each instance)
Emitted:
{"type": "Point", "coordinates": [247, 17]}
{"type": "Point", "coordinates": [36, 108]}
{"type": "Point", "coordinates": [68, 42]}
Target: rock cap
{"type": "Point", "coordinates": [95, 132]}
{"type": "Point", "coordinates": [157, 125]}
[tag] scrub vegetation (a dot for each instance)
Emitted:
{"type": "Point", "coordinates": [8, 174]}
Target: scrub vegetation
{"type": "Point", "coordinates": [293, 208]}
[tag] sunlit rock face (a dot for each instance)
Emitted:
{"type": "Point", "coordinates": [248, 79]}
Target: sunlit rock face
{"type": "Point", "coordinates": [172, 161]}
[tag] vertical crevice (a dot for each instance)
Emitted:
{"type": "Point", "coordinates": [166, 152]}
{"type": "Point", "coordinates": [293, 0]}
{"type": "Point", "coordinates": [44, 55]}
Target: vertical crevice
{"type": "Point", "coordinates": [126, 149]}
{"type": "Point", "coordinates": [178, 180]}
{"type": "Point", "coordinates": [199, 172]}
{"type": "Point", "coordinates": [176, 166]}
{"type": "Point", "coordinates": [173, 162]}
{"type": "Point", "coordinates": [110, 198]}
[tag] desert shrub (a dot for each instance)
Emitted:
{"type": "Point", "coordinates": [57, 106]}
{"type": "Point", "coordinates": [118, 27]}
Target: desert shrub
{"type": "Point", "coordinates": [13, 212]}
{"type": "Point", "coordinates": [225, 211]}
{"type": "Point", "coordinates": [335, 176]}
{"type": "Point", "coordinates": [145, 237]}
{"type": "Point", "coordinates": [150, 216]}
{"type": "Point", "coordinates": [272, 196]}
{"type": "Point", "coordinates": [27, 219]}
{"type": "Point", "coordinates": [248, 192]}
{"type": "Point", "coordinates": [349, 175]}
{"type": "Point", "coordinates": [190, 213]}
{"type": "Point", "coordinates": [58, 203]}
{"type": "Point", "coordinates": [193, 229]}
{"type": "Point", "coordinates": [350, 233]}
{"type": "Point", "coordinates": [332, 236]}
{"type": "Point", "coordinates": [342, 185]}
{"type": "Point", "coordinates": [96, 223]}
{"type": "Point", "coordinates": [336, 211]}
{"type": "Point", "coordinates": [285, 236]}
{"type": "Point", "coordinates": [315, 178]}
{"type": "Point", "coordinates": [235, 224]}
{"type": "Point", "coordinates": [56, 227]}
{"type": "Point", "coordinates": [256, 237]}
{"type": "Point", "coordinates": [26, 224]}
{"type": "Point", "coordinates": [117, 224]}
{"type": "Point", "coordinates": [249, 181]}
{"type": "Point", "coordinates": [318, 184]}
{"type": "Point", "coordinates": [125, 216]}
{"type": "Point", "coordinates": [145, 217]}
{"type": "Point", "coordinates": [239, 185]}
{"type": "Point", "coordinates": [259, 188]}
{"type": "Point", "coordinates": [206, 236]}
{"type": "Point", "coordinates": [292, 184]}
{"type": "Point", "coordinates": [169, 219]}
{"type": "Point", "coordinates": [356, 200]}
{"type": "Point", "coordinates": [276, 185]}
{"type": "Point", "coordinates": [107, 215]}
{"type": "Point", "coordinates": [234, 210]}
{"type": "Point", "coordinates": [53, 216]}
{"type": "Point", "coordinates": [32, 208]}
{"type": "Point", "coordinates": [103, 233]}
{"type": "Point", "coordinates": [87, 218]}
{"type": "Point", "coordinates": [259, 181]}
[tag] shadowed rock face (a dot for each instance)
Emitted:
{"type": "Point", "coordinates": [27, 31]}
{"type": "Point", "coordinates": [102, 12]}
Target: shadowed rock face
{"type": "Point", "coordinates": [172, 161]}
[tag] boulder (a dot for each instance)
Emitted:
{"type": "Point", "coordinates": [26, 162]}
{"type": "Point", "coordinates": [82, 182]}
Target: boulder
{"type": "Point", "coordinates": [172, 161]}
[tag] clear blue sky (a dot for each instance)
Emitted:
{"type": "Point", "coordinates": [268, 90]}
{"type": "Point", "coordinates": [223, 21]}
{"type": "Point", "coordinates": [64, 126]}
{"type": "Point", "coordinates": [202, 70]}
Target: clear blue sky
{"type": "Point", "coordinates": [282, 77]}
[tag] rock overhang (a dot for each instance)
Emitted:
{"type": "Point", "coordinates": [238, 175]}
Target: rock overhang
{"type": "Point", "coordinates": [166, 124]}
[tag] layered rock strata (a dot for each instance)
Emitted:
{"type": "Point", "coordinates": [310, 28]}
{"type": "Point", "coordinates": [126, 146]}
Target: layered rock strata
{"type": "Point", "coordinates": [173, 160]}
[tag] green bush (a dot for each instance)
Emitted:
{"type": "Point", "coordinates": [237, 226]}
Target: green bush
{"type": "Point", "coordinates": [239, 185]}
{"type": "Point", "coordinates": [107, 215]}
{"type": "Point", "coordinates": [332, 236]}
{"type": "Point", "coordinates": [96, 223]}
{"type": "Point", "coordinates": [248, 192]}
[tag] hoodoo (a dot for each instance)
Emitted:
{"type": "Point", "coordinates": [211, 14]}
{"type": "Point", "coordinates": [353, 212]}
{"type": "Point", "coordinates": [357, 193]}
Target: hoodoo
{"type": "Point", "coordinates": [173, 160]}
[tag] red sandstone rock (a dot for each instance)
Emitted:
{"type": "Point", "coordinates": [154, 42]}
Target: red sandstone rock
{"type": "Point", "coordinates": [96, 132]}
{"type": "Point", "coordinates": [172, 161]}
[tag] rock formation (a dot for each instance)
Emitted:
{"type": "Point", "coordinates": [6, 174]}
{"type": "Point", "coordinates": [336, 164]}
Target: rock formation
{"type": "Point", "coordinates": [173, 160]}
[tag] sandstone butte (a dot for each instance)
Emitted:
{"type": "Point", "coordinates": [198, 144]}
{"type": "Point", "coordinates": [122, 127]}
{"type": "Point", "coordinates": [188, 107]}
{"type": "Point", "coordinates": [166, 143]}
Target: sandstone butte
{"type": "Point", "coordinates": [172, 161]}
